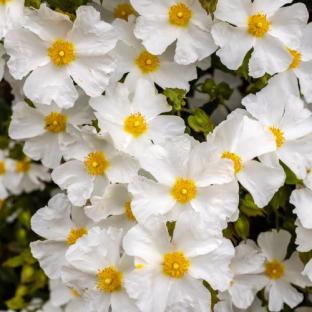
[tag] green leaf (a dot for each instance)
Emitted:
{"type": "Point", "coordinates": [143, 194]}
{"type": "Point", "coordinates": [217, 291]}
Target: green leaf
{"type": "Point", "coordinates": [249, 208]}
{"type": "Point", "coordinates": [242, 227]}
{"type": "Point", "coordinates": [16, 303]}
{"type": "Point", "coordinates": [176, 98]}
{"type": "Point", "coordinates": [291, 178]}
{"type": "Point", "coordinates": [200, 122]}
{"type": "Point", "coordinates": [280, 198]}
{"type": "Point", "coordinates": [69, 6]}
{"type": "Point", "coordinates": [33, 3]}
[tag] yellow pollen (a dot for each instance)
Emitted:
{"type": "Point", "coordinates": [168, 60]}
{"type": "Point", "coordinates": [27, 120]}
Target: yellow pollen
{"type": "Point", "coordinates": [2, 168]}
{"type": "Point", "coordinates": [129, 212]}
{"type": "Point", "coordinates": [109, 280]}
{"type": "Point", "coordinates": [62, 52]}
{"type": "Point", "coordinates": [279, 136]}
{"type": "Point", "coordinates": [180, 15]}
{"type": "Point", "coordinates": [237, 163]}
{"type": "Point", "coordinates": [75, 234]}
{"type": "Point", "coordinates": [75, 293]}
{"type": "Point", "coordinates": [3, 2]}
{"type": "Point", "coordinates": [139, 266]}
{"type": "Point", "coordinates": [135, 124]}
{"type": "Point", "coordinates": [296, 58]}
{"type": "Point", "coordinates": [184, 190]}
{"type": "Point", "coordinates": [123, 11]}
{"type": "Point", "coordinates": [96, 163]}
{"type": "Point", "coordinates": [23, 166]}
{"type": "Point", "coordinates": [147, 62]}
{"type": "Point", "coordinates": [274, 269]}
{"type": "Point", "coordinates": [55, 122]}
{"type": "Point", "coordinates": [258, 25]}
{"type": "Point", "coordinates": [175, 264]}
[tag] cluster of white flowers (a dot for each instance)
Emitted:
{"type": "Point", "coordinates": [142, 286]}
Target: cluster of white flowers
{"type": "Point", "coordinates": [138, 223]}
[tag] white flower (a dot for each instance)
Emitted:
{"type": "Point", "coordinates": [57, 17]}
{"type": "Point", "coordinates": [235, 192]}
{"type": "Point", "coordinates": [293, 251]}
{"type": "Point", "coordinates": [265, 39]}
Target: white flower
{"type": "Point", "coordinates": [54, 49]}
{"type": "Point", "coordinates": [12, 15]}
{"type": "Point", "coordinates": [225, 305]}
{"type": "Point", "coordinates": [169, 272]}
{"type": "Point", "coordinates": [185, 180]}
{"type": "Point", "coordinates": [302, 199]}
{"type": "Point", "coordinates": [279, 274]}
{"type": "Point", "coordinates": [61, 225]}
{"type": "Point", "coordinates": [4, 173]}
{"type": "Point", "coordinates": [113, 207]}
{"type": "Point", "coordinates": [132, 58]}
{"type": "Point", "coordinates": [46, 129]}
{"type": "Point", "coordinates": [94, 163]}
{"type": "Point", "coordinates": [241, 139]}
{"type": "Point", "coordinates": [261, 25]}
{"type": "Point", "coordinates": [26, 176]}
{"type": "Point", "coordinates": [304, 242]}
{"type": "Point", "coordinates": [99, 269]}
{"type": "Point", "coordinates": [67, 298]}
{"type": "Point", "coordinates": [133, 120]}
{"type": "Point", "coordinates": [184, 22]}
{"type": "Point", "coordinates": [246, 265]}
{"type": "Point", "coordinates": [301, 66]}
{"type": "Point", "coordinates": [284, 116]}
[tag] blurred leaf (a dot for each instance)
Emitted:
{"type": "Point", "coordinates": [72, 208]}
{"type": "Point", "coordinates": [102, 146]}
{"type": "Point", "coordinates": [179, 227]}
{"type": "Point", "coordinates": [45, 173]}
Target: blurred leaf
{"type": "Point", "coordinates": [291, 178]}
{"type": "Point", "coordinates": [176, 98]}
{"type": "Point", "coordinates": [280, 198]}
{"type": "Point", "coordinates": [69, 6]}
{"type": "Point", "coordinates": [33, 3]}
{"type": "Point", "coordinates": [243, 70]}
{"type": "Point", "coordinates": [16, 303]}
{"type": "Point", "coordinates": [249, 208]}
{"type": "Point", "coordinates": [209, 5]}
{"type": "Point", "coordinates": [242, 227]}
{"type": "Point", "coordinates": [23, 258]}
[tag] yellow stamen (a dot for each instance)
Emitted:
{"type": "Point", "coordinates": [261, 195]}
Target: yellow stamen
{"type": "Point", "coordinates": [129, 212]}
{"type": "Point", "coordinates": [135, 124]}
{"type": "Point", "coordinates": [237, 163]}
{"type": "Point", "coordinates": [258, 25]}
{"type": "Point", "coordinates": [2, 168]}
{"type": "Point", "coordinates": [96, 163]}
{"type": "Point", "coordinates": [147, 62]}
{"type": "Point", "coordinates": [55, 122]}
{"type": "Point", "coordinates": [180, 15]}
{"type": "Point", "coordinates": [23, 166]}
{"type": "Point", "coordinates": [109, 280]}
{"type": "Point", "coordinates": [175, 264]}
{"type": "Point", "coordinates": [3, 2]}
{"type": "Point", "coordinates": [62, 52]}
{"type": "Point", "coordinates": [274, 269]}
{"type": "Point", "coordinates": [296, 58]}
{"type": "Point", "coordinates": [75, 234]}
{"type": "Point", "coordinates": [279, 136]}
{"type": "Point", "coordinates": [184, 190]}
{"type": "Point", "coordinates": [123, 11]}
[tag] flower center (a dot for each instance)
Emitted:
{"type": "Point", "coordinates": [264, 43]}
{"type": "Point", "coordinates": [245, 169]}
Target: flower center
{"type": "Point", "coordinates": [96, 163]}
{"type": "Point", "coordinates": [23, 166]}
{"type": "Point", "coordinates": [62, 52]}
{"type": "Point", "coordinates": [274, 269]}
{"type": "Point", "coordinates": [123, 11]}
{"type": "Point", "coordinates": [180, 15]}
{"type": "Point", "coordinates": [135, 124]}
{"type": "Point", "coordinates": [184, 190]}
{"type": "Point", "coordinates": [296, 58]}
{"type": "Point", "coordinates": [147, 62]}
{"type": "Point", "coordinates": [75, 234]}
{"type": "Point", "coordinates": [129, 212]}
{"type": "Point", "coordinates": [279, 136]}
{"type": "Point", "coordinates": [109, 280]}
{"type": "Point", "coordinates": [3, 2]}
{"type": "Point", "coordinates": [55, 122]}
{"type": "Point", "coordinates": [2, 168]}
{"type": "Point", "coordinates": [175, 264]}
{"type": "Point", "coordinates": [237, 163]}
{"type": "Point", "coordinates": [258, 25]}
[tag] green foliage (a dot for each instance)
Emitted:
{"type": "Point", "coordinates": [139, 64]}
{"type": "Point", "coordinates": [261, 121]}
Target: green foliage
{"type": "Point", "coordinates": [220, 92]}
{"type": "Point", "coordinates": [242, 227]}
{"type": "Point", "coordinates": [249, 208]}
{"type": "Point", "coordinates": [33, 3]}
{"type": "Point", "coordinates": [69, 6]}
{"type": "Point", "coordinates": [176, 98]}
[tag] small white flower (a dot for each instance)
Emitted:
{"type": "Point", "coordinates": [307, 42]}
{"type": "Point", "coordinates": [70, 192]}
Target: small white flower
{"type": "Point", "coordinates": [62, 225]}
{"type": "Point", "coordinates": [26, 176]}
{"type": "Point", "coordinates": [133, 120]}
{"type": "Point", "coordinates": [12, 15]}
{"type": "Point", "coordinates": [185, 22]}
{"type": "Point", "coordinates": [169, 272]}
{"type": "Point", "coordinates": [46, 129]}
{"type": "Point", "coordinates": [284, 115]}
{"type": "Point", "coordinates": [54, 49]}
{"type": "Point", "coordinates": [4, 172]}
{"type": "Point", "coordinates": [184, 180]}
{"type": "Point", "coordinates": [279, 274]}
{"type": "Point", "coordinates": [241, 139]}
{"type": "Point", "coordinates": [134, 59]}
{"type": "Point", "coordinates": [98, 268]}
{"type": "Point", "coordinates": [263, 26]}
{"type": "Point", "coordinates": [94, 163]}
